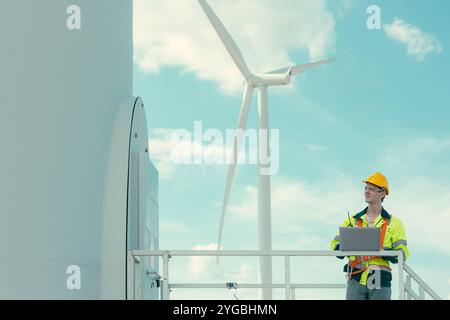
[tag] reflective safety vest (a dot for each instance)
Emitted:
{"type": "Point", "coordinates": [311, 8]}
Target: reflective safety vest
{"type": "Point", "coordinates": [358, 262]}
{"type": "Point", "coordinates": [392, 238]}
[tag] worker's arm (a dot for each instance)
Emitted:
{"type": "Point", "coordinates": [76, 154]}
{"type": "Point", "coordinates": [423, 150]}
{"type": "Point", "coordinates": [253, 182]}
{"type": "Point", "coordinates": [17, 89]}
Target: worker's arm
{"type": "Point", "coordinates": [335, 243]}
{"type": "Point", "coordinates": [399, 241]}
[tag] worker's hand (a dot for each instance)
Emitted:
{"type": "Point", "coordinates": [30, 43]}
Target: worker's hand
{"type": "Point", "coordinates": [336, 248]}
{"type": "Point", "coordinates": [390, 259]}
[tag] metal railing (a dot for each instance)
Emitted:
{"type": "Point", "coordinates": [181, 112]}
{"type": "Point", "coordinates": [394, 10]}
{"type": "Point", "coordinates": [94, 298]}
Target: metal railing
{"type": "Point", "coordinates": [404, 288]}
{"type": "Point", "coordinates": [423, 286]}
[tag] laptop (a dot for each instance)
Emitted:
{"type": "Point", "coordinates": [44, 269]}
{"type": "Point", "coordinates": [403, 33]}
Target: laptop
{"type": "Point", "coordinates": [359, 239]}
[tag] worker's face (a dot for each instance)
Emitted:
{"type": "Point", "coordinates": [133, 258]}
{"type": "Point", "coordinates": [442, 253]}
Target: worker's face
{"type": "Point", "coordinates": [373, 194]}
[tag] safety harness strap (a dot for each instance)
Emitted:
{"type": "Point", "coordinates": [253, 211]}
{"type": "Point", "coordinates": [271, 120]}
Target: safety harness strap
{"type": "Point", "coordinates": [353, 264]}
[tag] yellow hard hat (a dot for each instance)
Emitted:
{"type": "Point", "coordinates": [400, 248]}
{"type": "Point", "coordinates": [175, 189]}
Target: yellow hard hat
{"type": "Point", "coordinates": [379, 180]}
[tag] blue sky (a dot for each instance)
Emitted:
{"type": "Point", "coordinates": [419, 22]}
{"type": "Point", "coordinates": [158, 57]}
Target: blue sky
{"type": "Point", "coordinates": [383, 106]}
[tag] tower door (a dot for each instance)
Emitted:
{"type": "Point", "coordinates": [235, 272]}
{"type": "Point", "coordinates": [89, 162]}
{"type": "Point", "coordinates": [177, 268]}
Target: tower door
{"type": "Point", "coordinates": [142, 215]}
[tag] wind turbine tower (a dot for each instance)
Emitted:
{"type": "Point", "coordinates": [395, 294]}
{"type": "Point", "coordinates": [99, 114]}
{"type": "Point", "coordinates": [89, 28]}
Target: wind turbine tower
{"type": "Point", "coordinates": [261, 82]}
{"type": "Point", "coordinates": [77, 188]}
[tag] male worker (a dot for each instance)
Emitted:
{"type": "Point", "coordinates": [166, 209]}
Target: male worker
{"type": "Point", "coordinates": [362, 272]}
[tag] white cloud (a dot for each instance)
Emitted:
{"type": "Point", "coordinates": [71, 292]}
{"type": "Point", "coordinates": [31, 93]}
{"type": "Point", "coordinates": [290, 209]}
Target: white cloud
{"type": "Point", "coordinates": [168, 151]}
{"type": "Point", "coordinates": [307, 241]}
{"type": "Point", "coordinates": [417, 154]}
{"type": "Point", "coordinates": [247, 208]}
{"type": "Point", "coordinates": [293, 200]}
{"type": "Point", "coordinates": [424, 208]}
{"type": "Point", "coordinates": [177, 33]}
{"type": "Point", "coordinates": [304, 215]}
{"type": "Point", "coordinates": [246, 273]}
{"type": "Point", "coordinates": [343, 7]}
{"type": "Point", "coordinates": [429, 144]}
{"type": "Point", "coordinates": [315, 147]}
{"type": "Point", "coordinates": [159, 150]}
{"type": "Point", "coordinates": [198, 265]}
{"type": "Point", "coordinates": [422, 204]}
{"type": "Point", "coordinates": [162, 146]}
{"type": "Point", "coordinates": [171, 227]}
{"type": "Point", "coordinates": [419, 44]}
{"type": "Point", "coordinates": [420, 186]}
{"type": "Point", "coordinates": [347, 5]}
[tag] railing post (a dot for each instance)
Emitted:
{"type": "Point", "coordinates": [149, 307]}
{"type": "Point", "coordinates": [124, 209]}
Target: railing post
{"type": "Point", "coordinates": [287, 276]}
{"type": "Point", "coordinates": [408, 287]}
{"type": "Point", "coordinates": [138, 275]}
{"type": "Point", "coordinates": [134, 276]}
{"type": "Point", "coordinates": [165, 283]}
{"type": "Point", "coordinates": [130, 276]}
{"type": "Point", "coordinates": [293, 294]}
{"type": "Point", "coordinates": [422, 285]}
{"type": "Point", "coordinates": [401, 280]}
{"type": "Point", "coordinates": [421, 292]}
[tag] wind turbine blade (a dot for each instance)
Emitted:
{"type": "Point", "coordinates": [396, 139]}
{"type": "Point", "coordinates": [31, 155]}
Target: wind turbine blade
{"type": "Point", "coordinates": [278, 71]}
{"type": "Point", "coordinates": [302, 67]}
{"type": "Point", "coordinates": [242, 122]}
{"type": "Point", "coordinates": [227, 40]}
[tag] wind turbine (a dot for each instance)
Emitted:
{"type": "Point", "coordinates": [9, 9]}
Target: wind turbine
{"type": "Point", "coordinates": [261, 82]}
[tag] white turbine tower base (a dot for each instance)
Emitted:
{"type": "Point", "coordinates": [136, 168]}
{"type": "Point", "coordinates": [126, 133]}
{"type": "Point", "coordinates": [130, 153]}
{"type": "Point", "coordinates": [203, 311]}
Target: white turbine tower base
{"type": "Point", "coordinates": [262, 82]}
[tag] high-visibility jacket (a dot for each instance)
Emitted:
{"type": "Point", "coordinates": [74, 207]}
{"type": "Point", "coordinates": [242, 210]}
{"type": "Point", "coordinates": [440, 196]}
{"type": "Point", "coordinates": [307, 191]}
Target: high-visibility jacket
{"type": "Point", "coordinates": [395, 239]}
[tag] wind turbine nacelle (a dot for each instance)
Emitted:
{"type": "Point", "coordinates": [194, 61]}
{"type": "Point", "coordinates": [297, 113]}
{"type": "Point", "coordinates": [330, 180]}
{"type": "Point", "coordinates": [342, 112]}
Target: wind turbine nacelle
{"type": "Point", "coordinates": [277, 79]}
